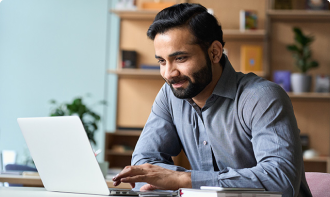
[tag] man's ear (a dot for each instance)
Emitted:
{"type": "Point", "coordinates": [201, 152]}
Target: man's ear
{"type": "Point", "coordinates": [215, 51]}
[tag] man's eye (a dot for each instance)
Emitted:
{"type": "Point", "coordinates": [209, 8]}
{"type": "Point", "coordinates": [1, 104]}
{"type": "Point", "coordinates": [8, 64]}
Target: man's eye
{"type": "Point", "coordinates": [161, 61]}
{"type": "Point", "coordinates": [181, 59]}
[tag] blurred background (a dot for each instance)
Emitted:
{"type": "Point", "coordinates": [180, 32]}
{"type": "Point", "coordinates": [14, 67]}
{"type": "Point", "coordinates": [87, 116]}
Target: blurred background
{"type": "Point", "coordinates": [53, 50]}
{"type": "Point", "coordinates": [60, 50]}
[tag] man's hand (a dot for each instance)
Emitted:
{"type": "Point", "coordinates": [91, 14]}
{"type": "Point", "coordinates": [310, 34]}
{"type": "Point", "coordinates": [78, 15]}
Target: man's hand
{"type": "Point", "coordinates": [156, 177]}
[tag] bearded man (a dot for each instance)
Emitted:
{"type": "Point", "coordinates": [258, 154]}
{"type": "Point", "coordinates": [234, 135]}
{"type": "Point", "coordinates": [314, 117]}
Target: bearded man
{"type": "Point", "coordinates": [237, 130]}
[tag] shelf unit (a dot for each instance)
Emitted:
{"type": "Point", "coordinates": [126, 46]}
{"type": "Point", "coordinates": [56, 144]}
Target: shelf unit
{"type": "Point", "coordinates": [119, 159]}
{"type": "Point", "coordinates": [135, 101]}
{"type": "Point", "coordinates": [311, 109]}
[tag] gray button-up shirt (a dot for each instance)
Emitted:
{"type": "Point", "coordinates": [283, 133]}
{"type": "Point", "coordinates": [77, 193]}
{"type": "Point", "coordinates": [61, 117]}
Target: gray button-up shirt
{"type": "Point", "coordinates": [249, 125]}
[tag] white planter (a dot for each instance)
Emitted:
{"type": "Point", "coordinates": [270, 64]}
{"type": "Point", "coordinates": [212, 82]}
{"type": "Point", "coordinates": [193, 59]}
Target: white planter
{"type": "Point", "coordinates": [300, 82]}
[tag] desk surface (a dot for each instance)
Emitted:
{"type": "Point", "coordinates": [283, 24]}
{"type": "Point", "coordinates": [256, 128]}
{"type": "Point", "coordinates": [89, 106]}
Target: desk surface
{"type": "Point", "coordinates": [37, 192]}
{"type": "Point", "coordinates": [35, 181]}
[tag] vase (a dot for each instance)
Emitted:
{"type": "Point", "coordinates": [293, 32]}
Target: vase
{"type": "Point", "coordinates": [300, 82]}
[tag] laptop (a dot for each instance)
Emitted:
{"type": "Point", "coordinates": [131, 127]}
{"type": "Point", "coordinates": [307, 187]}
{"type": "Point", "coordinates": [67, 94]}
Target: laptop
{"type": "Point", "coordinates": [64, 157]}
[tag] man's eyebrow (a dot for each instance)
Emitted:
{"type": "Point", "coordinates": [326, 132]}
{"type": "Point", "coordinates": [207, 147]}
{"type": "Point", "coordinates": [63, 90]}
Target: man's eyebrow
{"type": "Point", "coordinates": [173, 54]}
{"type": "Point", "coordinates": [178, 53]}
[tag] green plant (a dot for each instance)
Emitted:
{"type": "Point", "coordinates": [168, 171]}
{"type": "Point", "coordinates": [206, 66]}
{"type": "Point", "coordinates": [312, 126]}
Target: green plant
{"type": "Point", "coordinates": [301, 51]}
{"type": "Point", "coordinates": [88, 117]}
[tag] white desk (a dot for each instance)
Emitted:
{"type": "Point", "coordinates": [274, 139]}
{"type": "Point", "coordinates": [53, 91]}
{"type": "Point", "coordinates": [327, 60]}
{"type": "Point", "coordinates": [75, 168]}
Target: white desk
{"type": "Point", "coordinates": [37, 192]}
{"type": "Point", "coordinates": [35, 181]}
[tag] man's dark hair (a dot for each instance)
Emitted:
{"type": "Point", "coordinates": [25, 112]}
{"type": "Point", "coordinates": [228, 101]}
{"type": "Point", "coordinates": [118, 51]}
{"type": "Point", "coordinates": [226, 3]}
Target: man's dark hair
{"type": "Point", "coordinates": [203, 25]}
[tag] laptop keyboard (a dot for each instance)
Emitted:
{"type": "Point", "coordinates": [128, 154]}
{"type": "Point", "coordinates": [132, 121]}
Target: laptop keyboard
{"type": "Point", "coordinates": [125, 192]}
{"type": "Point", "coordinates": [117, 192]}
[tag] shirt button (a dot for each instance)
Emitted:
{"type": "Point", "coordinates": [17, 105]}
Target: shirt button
{"type": "Point", "coordinates": [205, 142]}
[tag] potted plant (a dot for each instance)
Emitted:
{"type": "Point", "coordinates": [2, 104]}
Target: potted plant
{"type": "Point", "coordinates": [301, 82]}
{"type": "Point", "coordinates": [88, 117]}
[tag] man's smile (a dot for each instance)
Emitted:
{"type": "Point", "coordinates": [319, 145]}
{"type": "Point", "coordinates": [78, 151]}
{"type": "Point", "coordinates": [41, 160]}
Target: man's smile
{"type": "Point", "coordinates": [179, 84]}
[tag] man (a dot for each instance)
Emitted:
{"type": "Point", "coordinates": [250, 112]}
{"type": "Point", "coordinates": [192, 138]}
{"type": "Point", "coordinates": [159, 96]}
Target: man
{"type": "Point", "coordinates": [237, 130]}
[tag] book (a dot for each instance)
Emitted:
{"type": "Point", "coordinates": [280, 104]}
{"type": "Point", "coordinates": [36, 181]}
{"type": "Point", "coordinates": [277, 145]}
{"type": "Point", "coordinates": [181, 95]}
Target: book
{"type": "Point", "coordinates": [251, 58]}
{"type": "Point", "coordinates": [283, 78]}
{"type": "Point", "coordinates": [188, 192]}
{"type": "Point", "coordinates": [232, 188]}
{"type": "Point", "coordinates": [153, 67]}
{"type": "Point", "coordinates": [322, 83]}
{"type": "Point", "coordinates": [283, 4]}
{"type": "Point", "coordinates": [129, 59]}
{"type": "Point", "coordinates": [248, 20]}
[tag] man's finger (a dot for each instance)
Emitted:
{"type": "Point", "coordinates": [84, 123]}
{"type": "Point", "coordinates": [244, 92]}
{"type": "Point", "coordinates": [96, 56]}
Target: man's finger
{"type": "Point", "coordinates": [132, 185]}
{"type": "Point", "coordinates": [116, 183]}
{"type": "Point", "coordinates": [128, 171]}
{"type": "Point", "coordinates": [134, 179]}
{"type": "Point", "coordinates": [148, 187]}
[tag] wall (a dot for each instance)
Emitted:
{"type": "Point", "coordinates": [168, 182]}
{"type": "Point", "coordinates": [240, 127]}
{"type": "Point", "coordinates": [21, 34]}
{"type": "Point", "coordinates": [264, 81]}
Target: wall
{"type": "Point", "coordinates": [50, 50]}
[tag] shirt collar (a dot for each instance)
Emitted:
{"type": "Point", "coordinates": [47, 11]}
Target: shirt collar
{"type": "Point", "coordinates": [226, 86]}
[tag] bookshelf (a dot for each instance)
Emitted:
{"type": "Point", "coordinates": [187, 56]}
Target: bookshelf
{"type": "Point", "coordinates": [311, 109]}
{"type": "Point", "coordinates": [116, 158]}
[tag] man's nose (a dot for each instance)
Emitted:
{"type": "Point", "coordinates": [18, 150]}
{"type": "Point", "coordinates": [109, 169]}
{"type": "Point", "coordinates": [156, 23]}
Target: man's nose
{"type": "Point", "coordinates": [170, 71]}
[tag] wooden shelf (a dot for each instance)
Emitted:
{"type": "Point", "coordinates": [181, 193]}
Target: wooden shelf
{"type": "Point", "coordinates": [247, 34]}
{"type": "Point", "coordinates": [135, 14]}
{"type": "Point", "coordinates": [126, 133]}
{"type": "Point", "coordinates": [309, 95]}
{"type": "Point", "coordinates": [126, 153]}
{"type": "Point", "coordinates": [135, 72]}
{"type": "Point", "coordinates": [318, 159]}
{"type": "Point", "coordinates": [299, 15]}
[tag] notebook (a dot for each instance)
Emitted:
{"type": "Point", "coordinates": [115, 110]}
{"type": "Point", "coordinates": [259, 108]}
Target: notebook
{"type": "Point", "coordinates": [64, 157]}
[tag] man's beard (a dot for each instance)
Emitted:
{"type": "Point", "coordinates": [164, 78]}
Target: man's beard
{"type": "Point", "coordinates": [202, 78]}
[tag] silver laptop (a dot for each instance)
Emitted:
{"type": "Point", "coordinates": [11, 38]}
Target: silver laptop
{"type": "Point", "coordinates": [64, 157]}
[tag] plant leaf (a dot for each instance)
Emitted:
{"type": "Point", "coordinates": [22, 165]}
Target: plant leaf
{"type": "Point", "coordinates": [312, 64]}
{"type": "Point", "coordinates": [292, 47]}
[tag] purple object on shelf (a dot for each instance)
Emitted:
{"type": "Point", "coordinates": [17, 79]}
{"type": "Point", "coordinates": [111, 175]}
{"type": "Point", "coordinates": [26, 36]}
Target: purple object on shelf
{"type": "Point", "coordinates": [282, 78]}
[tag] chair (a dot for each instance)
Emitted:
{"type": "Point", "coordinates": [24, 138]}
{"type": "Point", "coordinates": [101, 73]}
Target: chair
{"type": "Point", "coordinates": [319, 183]}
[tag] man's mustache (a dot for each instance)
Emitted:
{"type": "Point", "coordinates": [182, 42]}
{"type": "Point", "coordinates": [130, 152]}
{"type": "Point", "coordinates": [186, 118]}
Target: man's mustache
{"type": "Point", "coordinates": [177, 79]}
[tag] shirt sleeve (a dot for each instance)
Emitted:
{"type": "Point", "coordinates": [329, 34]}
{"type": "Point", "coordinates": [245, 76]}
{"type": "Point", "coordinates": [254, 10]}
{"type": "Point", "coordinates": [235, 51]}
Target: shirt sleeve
{"type": "Point", "coordinates": [268, 114]}
{"type": "Point", "coordinates": [159, 140]}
